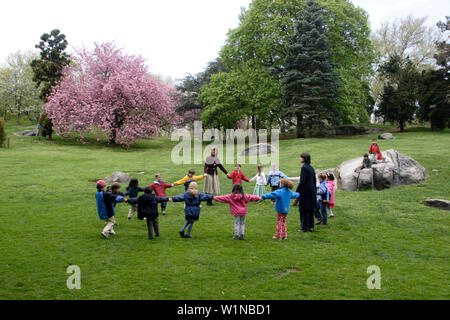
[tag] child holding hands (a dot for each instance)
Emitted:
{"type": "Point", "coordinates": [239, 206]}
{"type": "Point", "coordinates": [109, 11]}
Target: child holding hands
{"type": "Point", "coordinates": [159, 186]}
{"type": "Point", "coordinates": [282, 197]}
{"type": "Point", "coordinates": [238, 200]}
{"type": "Point", "coordinates": [192, 199]}
{"type": "Point", "coordinates": [106, 206]}
{"type": "Point", "coordinates": [237, 175]}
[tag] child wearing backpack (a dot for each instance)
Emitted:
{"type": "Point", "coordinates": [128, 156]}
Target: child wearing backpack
{"type": "Point", "coordinates": [282, 197]}
{"type": "Point", "coordinates": [132, 191]}
{"type": "Point", "coordinates": [323, 197]}
{"type": "Point", "coordinates": [147, 207]}
{"type": "Point", "coordinates": [192, 199]}
{"type": "Point", "coordinates": [238, 200]}
{"type": "Point", "coordinates": [106, 206]}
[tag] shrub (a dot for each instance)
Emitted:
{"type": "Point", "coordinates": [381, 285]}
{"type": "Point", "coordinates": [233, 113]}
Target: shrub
{"type": "Point", "coordinates": [3, 134]}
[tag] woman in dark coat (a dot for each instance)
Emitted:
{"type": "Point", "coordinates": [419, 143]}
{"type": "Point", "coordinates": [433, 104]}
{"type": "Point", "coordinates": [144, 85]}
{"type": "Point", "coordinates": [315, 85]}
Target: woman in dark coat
{"type": "Point", "coordinates": [308, 194]}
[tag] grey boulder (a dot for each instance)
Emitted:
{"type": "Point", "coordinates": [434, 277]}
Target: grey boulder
{"type": "Point", "coordinates": [28, 133]}
{"type": "Point", "coordinates": [259, 149]}
{"type": "Point", "coordinates": [395, 170]}
{"type": "Point", "coordinates": [120, 177]}
{"type": "Point", "coordinates": [437, 203]}
{"type": "Point", "coordinates": [386, 136]}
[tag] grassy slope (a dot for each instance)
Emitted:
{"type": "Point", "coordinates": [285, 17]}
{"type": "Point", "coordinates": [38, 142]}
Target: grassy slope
{"type": "Point", "coordinates": [44, 229]}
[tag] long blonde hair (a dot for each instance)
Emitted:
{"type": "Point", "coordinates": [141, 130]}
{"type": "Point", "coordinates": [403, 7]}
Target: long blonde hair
{"type": "Point", "coordinates": [193, 189]}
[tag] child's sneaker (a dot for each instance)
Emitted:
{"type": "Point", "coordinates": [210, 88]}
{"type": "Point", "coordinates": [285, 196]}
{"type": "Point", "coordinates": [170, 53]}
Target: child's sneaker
{"type": "Point", "coordinates": [112, 232]}
{"type": "Point", "coordinates": [331, 215]}
{"type": "Point", "coordinates": [104, 235]}
{"type": "Point", "coordinates": [241, 237]}
{"type": "Point", "coordinates": [318, 222]}
{"type": "Point", "coordinates": [182, 234]}
{"type": "Point", "coordinates": [275, 237]}
{"type": "Point", "coordinates": [236, 238]}
{"type": "Point", "coordinates": [188, 236]}
{"type": "Point", "coordinates": [163, 213]}
{"type": "Point", "coordinates": [129, 218]}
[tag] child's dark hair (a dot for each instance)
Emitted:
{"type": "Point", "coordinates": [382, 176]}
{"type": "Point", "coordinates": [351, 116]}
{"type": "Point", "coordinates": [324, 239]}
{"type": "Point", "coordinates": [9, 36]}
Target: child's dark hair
{"type": "Point", "coordinates": [191, 171]}
{"type": "Point", "coordinates": [366, 155]}
{"type": "Point", "coordinates": [115, 186]}
{"type": "Point", "coordinates": [238, 189]}
{"type": "Point", "coordinates": [133, 183]}
{"type": "Point", "coordinates": [148, 190]}
{"type": "Point", "coordinates": [322, 176]}
{"type": "Point", "coordinates": [307, 157]}
{"type": "Point", "coordinates": [330, 176]}
{"type": "Point", "coordinates": [99, 187]}
{"type": "Point", "coordinates": [238, 165]}
{"type": "Point", "coordinates": [286, 183]}
{"type": "Point", "coordinates": [260, 169]}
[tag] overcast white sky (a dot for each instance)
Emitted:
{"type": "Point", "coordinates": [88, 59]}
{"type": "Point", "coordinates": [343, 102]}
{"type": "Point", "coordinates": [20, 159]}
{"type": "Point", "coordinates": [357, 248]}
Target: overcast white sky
{"type": "Point", "coordinates": [175, 36]}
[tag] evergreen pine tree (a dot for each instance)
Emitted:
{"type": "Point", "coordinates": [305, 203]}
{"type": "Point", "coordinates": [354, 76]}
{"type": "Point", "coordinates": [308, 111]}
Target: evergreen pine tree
{"type": "Point", "coordinates": [311, 86]}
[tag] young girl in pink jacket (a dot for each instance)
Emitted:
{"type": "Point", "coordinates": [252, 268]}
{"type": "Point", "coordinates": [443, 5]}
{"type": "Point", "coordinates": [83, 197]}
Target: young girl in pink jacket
{"type": "Point", "coordinates": [238, 207]}
{"type": "Point", "coordinates": [331, 186]}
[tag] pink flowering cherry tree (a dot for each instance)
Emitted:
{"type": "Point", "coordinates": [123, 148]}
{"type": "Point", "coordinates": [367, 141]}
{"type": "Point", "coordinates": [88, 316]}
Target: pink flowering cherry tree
{"type": "Point", "coordinates": [112, 94]}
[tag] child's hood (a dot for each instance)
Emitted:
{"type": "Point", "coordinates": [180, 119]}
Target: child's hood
{"type": "Point", "coordinates": [236, 196]}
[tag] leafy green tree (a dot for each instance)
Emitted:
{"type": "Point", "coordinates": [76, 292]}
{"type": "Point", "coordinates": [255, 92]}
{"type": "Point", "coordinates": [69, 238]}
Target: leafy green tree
{"type": "Point", "coordinates": [434, 97]}
{"type": "Point", "coordinates": [265, 31]}
{"type": "Point", "coordinates": [400, 94]}
{"type": "Point", "coordinates": [18, 93]}
{"type": "Point", "coordinates": [48, 69]}
{"type": "Point", "coordinates": [311, 86]}
{"type": "Point", "coordinates": [189, 105]}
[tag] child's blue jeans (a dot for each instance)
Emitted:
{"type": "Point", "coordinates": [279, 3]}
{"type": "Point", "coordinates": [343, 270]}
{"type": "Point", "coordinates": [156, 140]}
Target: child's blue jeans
{"type": "Point", "coordinates": [322, 213]}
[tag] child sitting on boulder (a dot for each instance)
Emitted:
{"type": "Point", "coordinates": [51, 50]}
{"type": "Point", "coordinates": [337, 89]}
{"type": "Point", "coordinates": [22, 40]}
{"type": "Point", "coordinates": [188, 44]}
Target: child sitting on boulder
{"type": "Point", "coordinates": [375, 152]}
{"type": "Point", "coordinates": [366, 164]}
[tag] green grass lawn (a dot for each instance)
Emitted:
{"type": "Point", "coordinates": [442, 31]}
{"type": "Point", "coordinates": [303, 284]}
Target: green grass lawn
{"type": "Point", "coordinates": [48, 221]}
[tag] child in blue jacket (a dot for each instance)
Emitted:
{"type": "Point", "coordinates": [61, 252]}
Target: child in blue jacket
{"type": "Point", "coordinates": [323, 196]}
{"type": "Point", "coordinates": [132, 191]}
{"type": "Point", "coordinates": [192, 199]}
{"type": "Point", "coordinates": [105, 206]}
{"type": "Point", "coordinates": [282, 199]}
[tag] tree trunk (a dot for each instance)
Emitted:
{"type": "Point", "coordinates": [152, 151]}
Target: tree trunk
{"type": "Point", "coordinates": [299, 126]}
{"type": "Point", "coordinates": [402, 126]}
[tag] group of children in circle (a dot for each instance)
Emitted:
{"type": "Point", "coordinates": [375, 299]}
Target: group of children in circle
{"type": "Point", "coordinates": [146, 205]}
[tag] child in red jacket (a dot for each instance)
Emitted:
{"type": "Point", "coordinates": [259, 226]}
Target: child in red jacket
{"type": "Point", "coordinates": [237, 176]}
{"type": "Point", "coordinates": [375, 151]}
{"type": "Point", "coordinates": [238, 206]}
{"type": "Point", "coordinates": [159, 186]}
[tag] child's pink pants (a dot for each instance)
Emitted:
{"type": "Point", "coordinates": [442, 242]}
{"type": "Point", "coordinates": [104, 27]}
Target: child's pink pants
{"type": "Point", "coordinates": [281, 231]}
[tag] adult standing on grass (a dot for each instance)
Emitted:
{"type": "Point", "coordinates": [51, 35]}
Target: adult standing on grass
{"type": "Point", "coordinates": [308, 194]}
{"type": "Point", "coordinates": [212, 185]}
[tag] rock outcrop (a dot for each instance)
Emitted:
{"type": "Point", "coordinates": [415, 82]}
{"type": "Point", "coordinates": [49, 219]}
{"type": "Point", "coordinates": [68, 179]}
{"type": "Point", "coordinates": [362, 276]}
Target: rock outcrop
{"type": "Point", "coordinates": [258, 149]}
{"type": "Point", "coordinates": [120, 177]}
{"type": "Point", "coordinates": [395, 170]}
{"type": "Point", "coordinates": [437, 203]}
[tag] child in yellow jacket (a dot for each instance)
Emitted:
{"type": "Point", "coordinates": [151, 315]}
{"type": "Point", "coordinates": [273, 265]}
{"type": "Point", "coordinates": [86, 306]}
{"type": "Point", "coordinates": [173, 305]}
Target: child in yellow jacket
{"type": "Point", "coordinates": [188, 179]}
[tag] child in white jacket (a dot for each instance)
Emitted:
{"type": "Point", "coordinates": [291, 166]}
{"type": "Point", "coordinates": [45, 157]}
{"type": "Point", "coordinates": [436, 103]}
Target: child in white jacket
{"type": "Point", "coordinates": [260, 187]}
